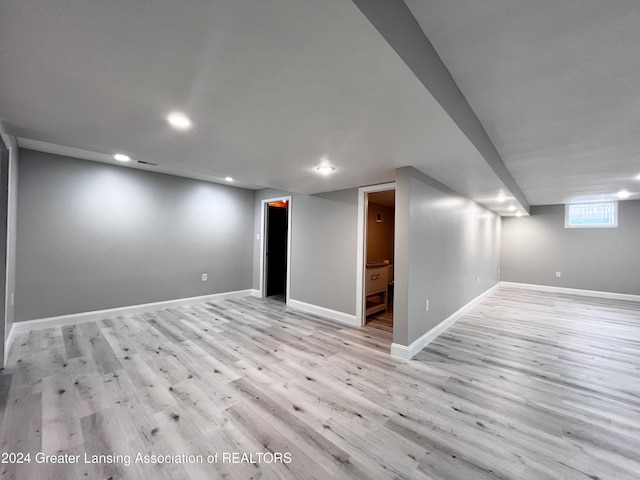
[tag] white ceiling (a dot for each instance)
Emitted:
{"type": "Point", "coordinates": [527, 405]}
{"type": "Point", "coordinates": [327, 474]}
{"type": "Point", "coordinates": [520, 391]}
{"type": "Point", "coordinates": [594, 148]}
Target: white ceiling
{"type": "Point", "coordinates": [556, 85]}
{"type": "Point", "coordinates": [273, 86]}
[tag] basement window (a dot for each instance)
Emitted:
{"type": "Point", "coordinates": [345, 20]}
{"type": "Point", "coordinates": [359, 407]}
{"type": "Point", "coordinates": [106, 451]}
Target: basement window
{"type": "Point", "coordinates": [591, 215]}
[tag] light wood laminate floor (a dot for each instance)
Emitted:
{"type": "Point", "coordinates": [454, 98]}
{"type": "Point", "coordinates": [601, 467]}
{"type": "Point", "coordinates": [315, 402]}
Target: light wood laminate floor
{"type": "Point", "coordinates": [527, 385]}
{"type": "Point", "coordinates": [382, 321]}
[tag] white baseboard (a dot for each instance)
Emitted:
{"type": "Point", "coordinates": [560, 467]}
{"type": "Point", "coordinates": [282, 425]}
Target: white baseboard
{"type": "Point", "coordinates": [408, 352]}
{"type": "Point", "coordinates": [574, 291]}
{"type": "Point", "coordinates": [255, 293]}
{"type": "Point", "coordinates": [335, 315]}
{"type": "Point", "coordinates": [400, 351]}
{"type": "Point", "coordinates": [63, 320]}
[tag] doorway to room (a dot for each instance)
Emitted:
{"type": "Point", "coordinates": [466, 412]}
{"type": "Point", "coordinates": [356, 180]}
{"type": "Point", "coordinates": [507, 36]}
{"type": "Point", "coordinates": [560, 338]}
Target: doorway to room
{"type": "Point", "coordinates": [275, 249]}
{"type": "Point", "coordinates": [378, 284]}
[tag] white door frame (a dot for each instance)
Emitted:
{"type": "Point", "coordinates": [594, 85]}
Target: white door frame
{"type": "Point", "coordinates": [263, 245]}
{"type": "Point", "coordinates": [362, 239]}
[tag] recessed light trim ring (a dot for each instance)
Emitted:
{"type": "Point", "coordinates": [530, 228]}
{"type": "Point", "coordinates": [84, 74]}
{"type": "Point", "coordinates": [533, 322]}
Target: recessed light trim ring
{"type": "Point", "coordinates": [623, 194]}
{"type": "Point", "coordinates": [326, 169]}
{"type": "Point", "coordinates": [179, 121]}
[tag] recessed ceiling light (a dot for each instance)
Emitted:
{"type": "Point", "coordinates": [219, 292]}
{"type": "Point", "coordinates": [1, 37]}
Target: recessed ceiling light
{"type": "Point", "coordinates": [501, 197]}
{"type": "Point", "coordinates": [179, 121]}
{"type": "Point", "coordinates": [325, 169]}
{"type": "Point", "coordinates": [228, 179]}
{"type": "Point", "coordinates": [623, 194]}
{"type": "Point", "coordinates": [512, 208]}
{"type": "Point", "coordinates": [638, 177]}
{"type": "Point", "coordinates": [121, 157]}
{"type": "Point", "coordinates": [518, 214]}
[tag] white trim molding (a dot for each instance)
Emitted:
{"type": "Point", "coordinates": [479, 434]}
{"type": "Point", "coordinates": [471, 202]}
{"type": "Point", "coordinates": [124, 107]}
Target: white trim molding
{"type": "Point", "coordinates": [335, 315]}
{"type": "Point", "coordinates": [9, 286]}
{"type": "Point", "coordinates": [408, 352]}
{"type": "Point", "coordinates": [401, 351]}
{"type": "Point", "coordinates": [10, 141]}
{"type": "Point", "coordinates": [574, 291]}
{"type": "Point", "coordinates": [62, 320]}
{"type": "Point", "coordinates": [8, 343]}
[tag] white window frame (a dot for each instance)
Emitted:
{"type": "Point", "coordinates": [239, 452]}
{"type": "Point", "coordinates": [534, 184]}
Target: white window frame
{"type": "Point", "coordinates": [567, 209]}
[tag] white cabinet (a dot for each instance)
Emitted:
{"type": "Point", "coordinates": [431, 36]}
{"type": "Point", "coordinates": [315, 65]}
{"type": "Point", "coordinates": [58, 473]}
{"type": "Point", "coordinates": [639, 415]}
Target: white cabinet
{"type": "Point", "coordinates": [376, 284]}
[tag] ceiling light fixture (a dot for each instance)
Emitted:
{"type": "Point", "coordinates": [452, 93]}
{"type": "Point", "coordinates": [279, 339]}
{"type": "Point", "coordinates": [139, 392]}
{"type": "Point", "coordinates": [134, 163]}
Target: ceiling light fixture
{"type": "Point", "coordinates": [228, 179]}
{"type": "Point", "coordinates": [512, 208]}
{"type": "Point", "coordinates": [501, 197]}
{"type": "Point", "coordinates": [623, 194]}
{"type": "Point", "coordinates": [179, 121]}
{"type": "Point", "coordinates": [518, 214]}
{"type": "Point", "coordinates": [121, 157]}
{"type": "Point", "coordinates": [326, 169]}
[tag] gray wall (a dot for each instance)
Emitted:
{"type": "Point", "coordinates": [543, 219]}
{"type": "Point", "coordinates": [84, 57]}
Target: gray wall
{"type": "Point", "coordinates": [534, 248]}
{"type": "Point", "coordinates": [444, 242]}
{"type": "Point", "coordinates": [95, 236]}
{"type": "Point", "coordinates": [323, 247]}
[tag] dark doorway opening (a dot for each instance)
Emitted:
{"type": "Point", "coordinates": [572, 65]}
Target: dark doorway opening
{"type": "Point", "coordinates": [277, 226]}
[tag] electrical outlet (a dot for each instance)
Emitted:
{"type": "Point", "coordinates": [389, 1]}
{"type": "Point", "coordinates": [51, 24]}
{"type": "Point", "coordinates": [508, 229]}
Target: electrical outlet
{"type": "Point", "coordinates": [498, 274]}
{"type": "Point", "coordinates": [478, 280]}
{"type": "Point", "coordinates": [13, 298]}
{"type": "Point", "coordinates": [204, 277]}
{"type": "Point", "coordinates": [426, 306]}
{"type": "Point", "coordinates": [257, 236]}
{"type": "Point", "coordinates": [558, 274]}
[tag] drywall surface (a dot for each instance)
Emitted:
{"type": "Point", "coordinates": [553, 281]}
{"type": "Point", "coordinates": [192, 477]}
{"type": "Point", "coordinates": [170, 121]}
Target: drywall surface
{"type": "Point", "coordinates": [94, 236]}
{"type": "Point", "coordinates": [380, 227]}
{"type": "Point", "coordinates": [323, 247]}
{"type": "Point", "coordinates": [399, 27]}
{"type": "Point", "coordinates": [447, 251]}
{"type": "Point", "coordinates": [534, 248]}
